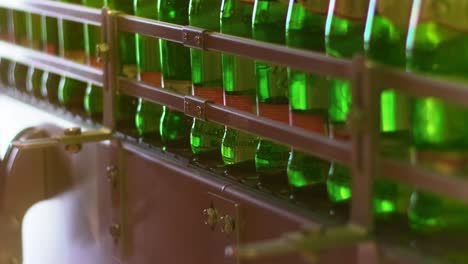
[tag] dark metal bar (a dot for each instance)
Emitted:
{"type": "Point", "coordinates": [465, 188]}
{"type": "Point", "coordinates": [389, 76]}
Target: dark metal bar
{"type": "Point", "coordinates": [51, 63]}
{"type": "Point", "coordinates": [151, 28]}
{"type": "Point", "coordinates": [300, 139]}
{"type": "Point", "coordinates": [56, 9]}
{"type": "Point", "coordinates": [449, 186]}
{"type": "Point", "coordinates": [297, 138]}
{"type": "Point", "coordinates": [110, 55]}
{"type": "Point", "coordinates": [365, 114]}
{"type": "Point", "coordinates": [419, 85]}
{"type": "Point", "coordinates": [299, 59]}
{"type": "Point", "coordinates": [151, 94]}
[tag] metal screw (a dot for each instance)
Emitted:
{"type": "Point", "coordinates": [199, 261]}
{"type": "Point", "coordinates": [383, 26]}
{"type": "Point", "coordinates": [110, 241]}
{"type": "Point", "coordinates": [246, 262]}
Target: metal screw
{"type": "Point", "coordinates": [211, 217]}
{"type": "Point", "coordinates": [228, 224]}
{"type": "Point", "coordinates": [184, 36]}
{"type": "Point", "coordinates": [74, 131]}
{"type": "Point", "coordinates": [198, 110]}
{"type": "Point", "coordinates": [114, 231]}
{"type": "Point", "coordinates": [112, 173]}
{"type": "Point", "coordinates": [197, 40]}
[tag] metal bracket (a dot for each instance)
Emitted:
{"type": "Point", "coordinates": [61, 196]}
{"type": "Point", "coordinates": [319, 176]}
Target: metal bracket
{"type": "Point", "coordinates": [72, 139]}
{"type": "Point", "coordinates": [193, 37]}
{"type": "Point", "coordinates": [307, 242]}
{"type": "Point", "coordinates": [196, 107]}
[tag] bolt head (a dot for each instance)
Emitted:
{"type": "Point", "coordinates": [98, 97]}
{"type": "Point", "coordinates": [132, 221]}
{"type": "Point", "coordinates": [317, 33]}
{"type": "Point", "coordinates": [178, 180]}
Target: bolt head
{"type": "Point", "coordinates": [73, 148]}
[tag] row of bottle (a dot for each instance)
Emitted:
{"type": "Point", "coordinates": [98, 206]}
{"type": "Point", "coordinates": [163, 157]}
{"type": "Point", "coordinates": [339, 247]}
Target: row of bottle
{"type": "Point", "coordinates": [425, 36]}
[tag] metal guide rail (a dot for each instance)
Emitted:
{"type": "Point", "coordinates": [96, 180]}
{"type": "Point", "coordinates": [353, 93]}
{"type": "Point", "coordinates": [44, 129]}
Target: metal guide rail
{"type": "Point", "coordinates": [367, 80]}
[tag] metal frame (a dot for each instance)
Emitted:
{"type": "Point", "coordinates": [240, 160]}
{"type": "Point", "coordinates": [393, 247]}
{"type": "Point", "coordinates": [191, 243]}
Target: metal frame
{"type": "Point", "coordinates": [361, 154]}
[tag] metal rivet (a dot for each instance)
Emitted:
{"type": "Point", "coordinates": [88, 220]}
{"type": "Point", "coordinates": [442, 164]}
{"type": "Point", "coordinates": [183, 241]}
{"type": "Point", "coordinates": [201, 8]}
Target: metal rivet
{"type": "Point", "coordinates": [74, 131]}
{"type": "Point", "coordinates": [198, 110]}
{"type": "Point", "coordinates": [114, 231]}
{"type": "Point", "coordinates": [211, 217]}
{"type": "Point", "coordinates": [228, 224]}
{"type": "Point", "coordinates": [184, 36]}
{"type": "Point", "coordinates": [197, 40]}
{"type": "Point", "coordinates": [112, 172]}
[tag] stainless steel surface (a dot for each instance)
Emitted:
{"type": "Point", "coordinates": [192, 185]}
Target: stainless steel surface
{"type": "Point", "coordinates": [365, 130]}
{"type": "Point", "coordinates": [140, 197]}
{"type": "Point", "coordinates": [64, 139]}
{"type": "Point", "coordinates": [305, 241]}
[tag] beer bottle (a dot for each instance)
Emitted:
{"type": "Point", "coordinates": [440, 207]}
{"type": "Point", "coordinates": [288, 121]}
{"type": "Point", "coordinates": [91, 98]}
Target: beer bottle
{"type": "Point", "coordinates": [148, 114]}
{"type": "Point", "coordinates": [71, 47]}
{"type": "Point", "coordinates": [176, 75]}
{"type": "Point", "coordinates": [343, 39]}
{"type": "Point", "coordinates": [6, 34]}
{"type": "Point", "coordinates": [308, 97]}
{"type": "Point", "coordinates": [384, 42]}
{"type": "Point", "coordinates": [92, 37]}
{"type": "Point", "coordinates": [268, 24]}
{"type": "Point", "coordinates": [237, 147]}
{"type": "Point", "coordinates": [207, 81]}
{"type": "Point", "coordinates": [50, 44]}
{"type": "Point", "coordinates": [19, 71]}
{"type": "Point", "coordinates": [126, 105]}
{"type": "Point", "coordinates": [437, 46]}
{"type": "Point", "coordinates": [34, 32]}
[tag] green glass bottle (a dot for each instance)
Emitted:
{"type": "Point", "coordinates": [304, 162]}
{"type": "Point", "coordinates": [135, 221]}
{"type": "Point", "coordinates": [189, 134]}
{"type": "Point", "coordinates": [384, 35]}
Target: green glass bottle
{"type": "Point", "coordinates": [176, 72]}
{"type": "Point", "coordinates": [126, 105]}
{"type": "Point", "coordinates": [93, 97]}
{"type": "Point", "coordinates": [5, 35]}
{"type": "Point", "coordinates": [237, 147]}
{"type": "Point", "coordinates": [34, 75]}
{"type": "Point", "coordinates": [207, 81]}
{"type": "Point", "coordinates": [19, 71]}
{"type": "Point", "coordinates": [71, 46]}
{"type": "Point", "coordinates": [343, 38]}
{"type": "Point", "coordinates": [384, 42]}
{"type": "Point", "coordinates": [437, 45]}
{"type": "Point", "coordinates": [148, 114]}
{"type": "Point", "coordinates": [50, 44]}
{"type": "Point", "coordinates": [268, 24]}
{"type": "Point", "coordinates": [308, 97]}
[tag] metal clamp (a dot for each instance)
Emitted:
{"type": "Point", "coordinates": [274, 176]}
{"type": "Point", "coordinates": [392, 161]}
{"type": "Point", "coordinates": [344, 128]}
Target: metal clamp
{"type": "Point", "coordinates": [193, 37]}
{"type": "Point", "coordinates": [196, 107]}
{"type": "Point", "coordinates": [72, 139]}
{"type": "Point", "coordinates": [307, 242]}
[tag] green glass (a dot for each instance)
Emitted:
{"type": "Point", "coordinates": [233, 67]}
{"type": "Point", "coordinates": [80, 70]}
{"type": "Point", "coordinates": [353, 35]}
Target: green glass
{"type": "Point", "coordinates": [71, 47]}
{"type": "Point", "coordinates": [239, 82]}
{"type": "Point", "coordinates": [34, 31]}
{"type": "Point", "coordinates": [5, 35]}
{"type": "Point", "coordinates": [93, 104]}
{"type": "Point", "coordinates": [207, 81]}
{"type": "Point", "coordinates": [384, 42]}
{"type": "Point", "coordinates": [19, 71]}
{"type": "Point", "coordinates": [438, 128]}
{"type": "Point", "coordinates": [126, 105]}
{"type": "Point", "coordinates": [50, 43]}
{"type": "Point", "coordinates": [308, 98]}
{"type": "Point", "coordinates": [343, 39]}
{"type": "Point", "coordinates": [148, 115]}
{"type": "Point", "coordinates": [271, 159]}
{"type": "Point", "coordinates": [176, 72]}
